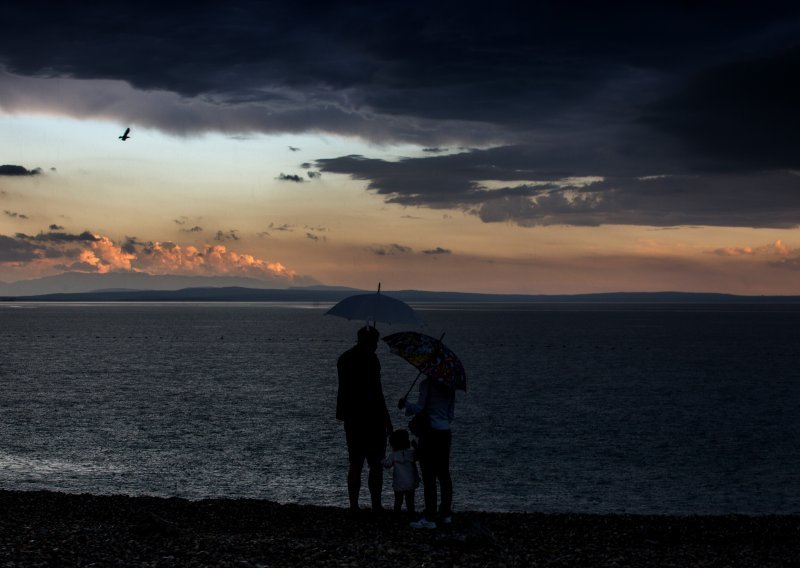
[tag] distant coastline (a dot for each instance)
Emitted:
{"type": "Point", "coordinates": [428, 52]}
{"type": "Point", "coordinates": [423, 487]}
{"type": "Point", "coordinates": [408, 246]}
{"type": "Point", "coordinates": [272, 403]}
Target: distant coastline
{"type": "Point", "coordinates": [323, 294]}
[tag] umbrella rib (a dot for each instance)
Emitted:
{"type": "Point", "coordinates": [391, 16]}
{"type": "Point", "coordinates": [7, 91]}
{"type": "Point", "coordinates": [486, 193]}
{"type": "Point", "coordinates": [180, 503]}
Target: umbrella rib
{"type": "Point", "coordinates": [420, 373]}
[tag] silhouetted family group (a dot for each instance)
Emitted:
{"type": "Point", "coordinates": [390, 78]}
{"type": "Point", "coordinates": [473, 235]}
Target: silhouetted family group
{"type": "Point", "coordinates": [362, 407]}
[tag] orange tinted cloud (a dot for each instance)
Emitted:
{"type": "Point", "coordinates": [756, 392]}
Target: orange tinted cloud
{"type": "Point", "coordinates": [778, 248]}
{"type": "Point", "coordinates": [54, 252]}
{"type": "Point", "coordinates": [170, 258]}
{"type": "Point", "coordinates": [107, 256]}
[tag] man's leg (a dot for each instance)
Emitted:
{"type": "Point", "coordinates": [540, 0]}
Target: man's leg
{"type": "Point", "coordinates": [356, 457]}
{"type": "Point", "coordinates": [375, 455]}
{"type": "Point", "coordinates": [354, 481]}
{"type": "Point", "coordinates": [375, 484]}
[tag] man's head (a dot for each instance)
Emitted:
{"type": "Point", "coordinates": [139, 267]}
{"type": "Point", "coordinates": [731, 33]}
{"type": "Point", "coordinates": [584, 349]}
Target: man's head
{"type": "Point", "coordinates": [368, 337]}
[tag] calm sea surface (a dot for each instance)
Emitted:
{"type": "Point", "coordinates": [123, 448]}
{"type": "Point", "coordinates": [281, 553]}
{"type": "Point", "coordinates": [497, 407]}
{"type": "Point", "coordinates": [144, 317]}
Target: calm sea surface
{"type": "Point", "coordinates": [581, 408]}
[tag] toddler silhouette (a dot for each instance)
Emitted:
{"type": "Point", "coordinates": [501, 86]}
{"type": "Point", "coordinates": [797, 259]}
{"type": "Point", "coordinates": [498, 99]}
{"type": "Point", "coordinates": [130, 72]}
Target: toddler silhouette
{"type": "Point", "coordinates": [405, 478]}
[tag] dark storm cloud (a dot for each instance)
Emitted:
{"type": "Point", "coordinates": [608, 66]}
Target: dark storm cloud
{"type": "Point", "coordinates": [390, 250]}
{"type": "Point", "coordinates": [23, 248]}
{"type": "Point", "coordinates": [231, 235]}
{"type": "Point", "coordinates": [130, 243]}
{"type": "Point", "coordinates": [9, 170]}
{"type": "Point", "coordinates": [514, 65]}
{"type": "Point", "coordinates": [290, 177]}
{"type": "Point", "coordinates": [17, 250]}
{"type": "Point", "coordinates": [686, 110]}
{"type": "Point", "coordinates": [395, 249]}
{"type": "Point", "coordinates": [55, 227]}
{"type": "Point", "coordinates": [58, 237]}
{"type": "Point", "coordinates": [554, 190]}
{"type": "Point", "coordinates": [282, 227]}
{"type": "Point", "coordinates": [182, 221]}
{"type": "Point", "coordinates": [742, 115]}
{"type": "Point", "coordinates": [437, 250]}
{"type": "Point", "coordinates": [311, 174]}
{"type": "Point", "coordinates": [14, 214]}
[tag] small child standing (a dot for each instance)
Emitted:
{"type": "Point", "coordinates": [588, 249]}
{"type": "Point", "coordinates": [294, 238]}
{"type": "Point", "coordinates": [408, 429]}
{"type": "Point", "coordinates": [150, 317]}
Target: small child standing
{"type": "Point", "coordinates": [405, 478]}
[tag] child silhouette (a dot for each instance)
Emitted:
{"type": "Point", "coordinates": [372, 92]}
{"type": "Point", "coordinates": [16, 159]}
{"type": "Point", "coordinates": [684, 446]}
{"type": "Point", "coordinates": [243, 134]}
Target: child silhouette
{"type": "Point", "coordinates": [405, 478]}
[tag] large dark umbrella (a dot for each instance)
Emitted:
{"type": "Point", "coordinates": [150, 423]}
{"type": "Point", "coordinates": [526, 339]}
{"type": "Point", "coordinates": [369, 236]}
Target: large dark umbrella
{"type": "Point", "coordinates": [430, 356]}
{"type": "Point", "coordinates": [375, 308]}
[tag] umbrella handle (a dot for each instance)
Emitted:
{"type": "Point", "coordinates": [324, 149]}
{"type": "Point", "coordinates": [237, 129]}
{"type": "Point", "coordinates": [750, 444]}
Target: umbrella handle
{"type": "Point", "coordinates": [412, 385]}
{"type": "Point", "coordinates": [420, 373]}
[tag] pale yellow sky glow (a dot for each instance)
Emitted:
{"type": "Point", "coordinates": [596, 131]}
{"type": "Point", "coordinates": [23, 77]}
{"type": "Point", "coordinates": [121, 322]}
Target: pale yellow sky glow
{"type": "Point", "coordinates": [222, 190]}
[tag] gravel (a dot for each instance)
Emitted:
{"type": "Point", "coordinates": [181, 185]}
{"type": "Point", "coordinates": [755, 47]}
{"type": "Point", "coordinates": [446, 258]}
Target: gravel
{"type": "Point", "coordinates": [43, 528]}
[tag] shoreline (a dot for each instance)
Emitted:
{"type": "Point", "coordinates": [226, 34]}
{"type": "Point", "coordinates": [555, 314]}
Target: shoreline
{"type": "Point", "coordinates": [49, 528]}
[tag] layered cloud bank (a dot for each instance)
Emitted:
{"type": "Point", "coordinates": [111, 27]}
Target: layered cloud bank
{"type": "Point", "coordinates": [51, 252]}
{"type": "Point", "coordinates": [680, 116]}
{"type": "Point", "coordinates": [513, 184]}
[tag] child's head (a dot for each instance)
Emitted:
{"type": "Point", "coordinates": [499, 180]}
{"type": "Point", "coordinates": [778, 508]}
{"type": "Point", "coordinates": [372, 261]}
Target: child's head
{"type": "Point", "coordinates": [399, 440]}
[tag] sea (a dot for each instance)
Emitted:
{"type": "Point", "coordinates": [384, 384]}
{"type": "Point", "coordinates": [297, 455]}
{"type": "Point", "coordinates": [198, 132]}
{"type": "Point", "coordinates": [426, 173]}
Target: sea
{"type": "Point", "coordinates": [586, 408]}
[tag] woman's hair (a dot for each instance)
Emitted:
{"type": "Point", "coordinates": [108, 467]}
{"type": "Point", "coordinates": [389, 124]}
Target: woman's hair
{"type": "Point", "coordinates": [399, 440]}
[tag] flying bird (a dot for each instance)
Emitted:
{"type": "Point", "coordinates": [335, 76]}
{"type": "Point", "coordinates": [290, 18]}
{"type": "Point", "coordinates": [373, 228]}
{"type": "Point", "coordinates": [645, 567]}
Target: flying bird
{"type": "Point", "coordinates": [125, 136]}
{"type": "Point", "coordinates": [294, 148]}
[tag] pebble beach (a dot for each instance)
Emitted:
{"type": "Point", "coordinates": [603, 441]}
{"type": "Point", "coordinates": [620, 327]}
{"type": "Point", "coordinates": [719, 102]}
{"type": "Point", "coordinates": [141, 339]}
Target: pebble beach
{"type": "Point", "coordinates": [42, 528]}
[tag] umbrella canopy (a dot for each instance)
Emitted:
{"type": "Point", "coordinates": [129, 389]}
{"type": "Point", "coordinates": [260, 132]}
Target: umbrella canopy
{"type": "Point", "coordinates": [430, 356]}
{"type": "Point", "coordinates": [375, 308]}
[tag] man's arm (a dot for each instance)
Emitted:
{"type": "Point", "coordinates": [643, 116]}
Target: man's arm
{"type": "Point", "coordinates": [342, 396]}
{"type": "Point", "coordinates": [386, 416]}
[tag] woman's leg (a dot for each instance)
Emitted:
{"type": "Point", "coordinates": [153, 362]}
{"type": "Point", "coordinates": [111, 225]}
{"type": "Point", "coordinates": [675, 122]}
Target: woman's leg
{"type": "Point", "coordinates": [398, 501]}
{"type": "Point", "coordinates": [443, 474]}
{"type": "Point", "coordinates": [410, 501]}
{"type": "Point", "coordinates": [427, 463]}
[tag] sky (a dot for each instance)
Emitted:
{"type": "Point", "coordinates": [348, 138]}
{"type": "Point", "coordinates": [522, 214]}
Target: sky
{"type": "Point", "coordinates": [540, 147]}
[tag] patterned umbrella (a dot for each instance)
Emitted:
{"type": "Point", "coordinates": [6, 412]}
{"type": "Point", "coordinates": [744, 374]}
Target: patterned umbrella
{"type": "Point", "coordinates": [430, 356]}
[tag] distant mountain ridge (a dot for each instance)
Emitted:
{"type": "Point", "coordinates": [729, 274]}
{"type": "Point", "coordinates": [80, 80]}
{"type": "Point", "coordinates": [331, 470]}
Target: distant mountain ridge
{"type": "Point", "coordinates": [334, 294]}
{"type": "Point", "coordinates": [80, 282]}
{"type": "Point", "coordinates": [139, 286]}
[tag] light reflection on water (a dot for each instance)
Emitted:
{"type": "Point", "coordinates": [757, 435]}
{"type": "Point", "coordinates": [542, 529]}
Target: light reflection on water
{"type": "Point", "coordinates": [678, 410]}
{"type": "Point", "coordinates": [41, 468]}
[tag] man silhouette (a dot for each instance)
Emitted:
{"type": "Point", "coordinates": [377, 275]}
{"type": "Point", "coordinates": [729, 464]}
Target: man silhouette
{"type": "Point", "coordinates": [360, 404]}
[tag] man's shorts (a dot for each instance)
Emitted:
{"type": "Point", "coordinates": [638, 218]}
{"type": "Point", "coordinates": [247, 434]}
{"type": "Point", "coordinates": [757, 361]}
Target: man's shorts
{"type": "Point", "coordinates": [365, 444]}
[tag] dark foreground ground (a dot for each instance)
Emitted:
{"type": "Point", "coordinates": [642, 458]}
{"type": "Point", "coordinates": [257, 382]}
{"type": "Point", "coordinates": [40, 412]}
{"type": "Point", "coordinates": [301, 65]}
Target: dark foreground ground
{"type": "Point", "coordinates": [54, 529]}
